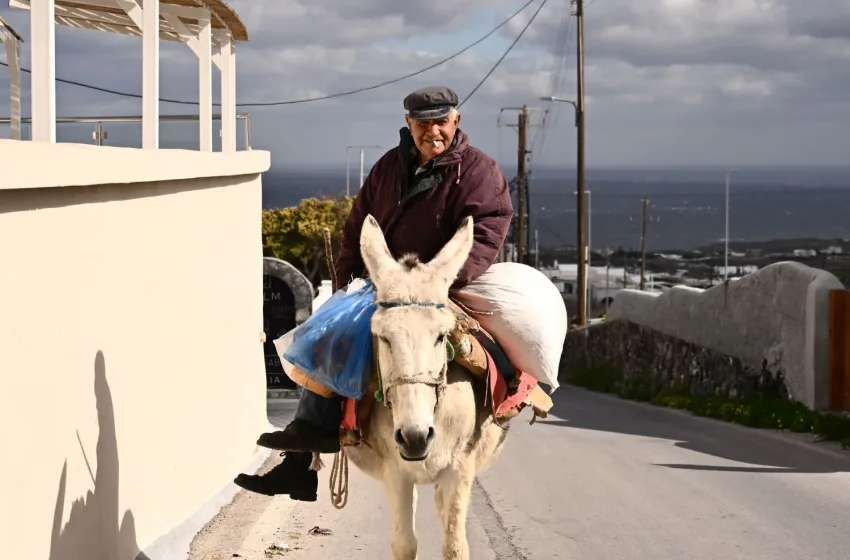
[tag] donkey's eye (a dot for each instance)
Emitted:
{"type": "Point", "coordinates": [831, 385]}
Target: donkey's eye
{"type": "Point", "coordinates": [441, 339]}
{"type": "Point", "coordinates": [385, 340]}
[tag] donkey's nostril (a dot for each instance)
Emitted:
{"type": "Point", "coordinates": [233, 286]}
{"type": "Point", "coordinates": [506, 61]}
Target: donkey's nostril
{"type": "Point", "coordinates": [414, 442]}
{"type": "Point", "coordinates": [431, 434]}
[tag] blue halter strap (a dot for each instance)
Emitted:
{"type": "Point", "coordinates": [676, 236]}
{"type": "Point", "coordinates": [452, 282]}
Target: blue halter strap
{"type": "Point", "coordinates": [392, 304]}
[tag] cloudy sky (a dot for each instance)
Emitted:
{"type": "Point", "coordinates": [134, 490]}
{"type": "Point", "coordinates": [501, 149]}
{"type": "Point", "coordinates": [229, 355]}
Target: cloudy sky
{"type": "Point", "coordinates": [681, 82]}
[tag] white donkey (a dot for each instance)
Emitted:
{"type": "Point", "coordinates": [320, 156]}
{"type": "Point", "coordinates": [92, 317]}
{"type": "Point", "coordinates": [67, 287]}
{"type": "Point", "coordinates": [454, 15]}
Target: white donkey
{"type": "Point", "coordinates": [430, 431]}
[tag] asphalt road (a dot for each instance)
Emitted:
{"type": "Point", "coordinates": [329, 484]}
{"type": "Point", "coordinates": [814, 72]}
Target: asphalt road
{"type": "Point", "coordinates": [608, 479]}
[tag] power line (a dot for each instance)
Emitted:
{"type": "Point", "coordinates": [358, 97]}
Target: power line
{"type": "Point", "coordinates": [510, 48]}
{"type": "Point", "coordinates": [333, 95]}
{"type": "Point", "coordinates": [560, 60]}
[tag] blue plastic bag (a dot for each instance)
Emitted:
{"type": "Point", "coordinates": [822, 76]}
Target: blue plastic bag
{"type": "Point", "coordinates": [334, 345]}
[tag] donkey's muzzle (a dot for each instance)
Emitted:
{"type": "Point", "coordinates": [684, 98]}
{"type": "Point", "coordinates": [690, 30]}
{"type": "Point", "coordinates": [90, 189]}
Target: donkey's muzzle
{"type": "Point", "coordinates": [414, 443]}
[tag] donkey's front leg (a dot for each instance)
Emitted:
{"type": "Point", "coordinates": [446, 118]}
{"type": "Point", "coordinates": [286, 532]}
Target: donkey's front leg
{"type": "Point", "coordinates": [455, 489]}
{"type": "Point", "coordinates": [402, 494]}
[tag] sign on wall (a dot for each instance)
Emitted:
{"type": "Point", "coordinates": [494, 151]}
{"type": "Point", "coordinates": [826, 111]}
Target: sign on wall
{"type": "Point", "coordinates": [287, 302]}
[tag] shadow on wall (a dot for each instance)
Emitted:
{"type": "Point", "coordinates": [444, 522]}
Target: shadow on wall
{"type": "Point", "coordinates": [92, 531]}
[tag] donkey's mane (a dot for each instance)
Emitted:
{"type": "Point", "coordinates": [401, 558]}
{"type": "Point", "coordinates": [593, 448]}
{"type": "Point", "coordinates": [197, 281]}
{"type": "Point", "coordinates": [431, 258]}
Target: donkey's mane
{"type": "Point", "coordinates": [410, 261]}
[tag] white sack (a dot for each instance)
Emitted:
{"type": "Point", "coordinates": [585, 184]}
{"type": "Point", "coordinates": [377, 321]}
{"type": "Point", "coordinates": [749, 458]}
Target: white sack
{"type": "Point", "coordinates": [529, 316]}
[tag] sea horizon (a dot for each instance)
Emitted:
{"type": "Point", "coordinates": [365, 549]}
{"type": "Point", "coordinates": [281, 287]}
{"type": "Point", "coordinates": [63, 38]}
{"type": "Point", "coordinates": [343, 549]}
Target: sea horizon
{"type": "Point", "coordinates": [686, 210]}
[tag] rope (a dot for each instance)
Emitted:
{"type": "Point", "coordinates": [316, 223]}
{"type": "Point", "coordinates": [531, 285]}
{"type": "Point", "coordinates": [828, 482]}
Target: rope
{"type": "Point", "coordinates": [468, 310]}
{"type": "Point", "coordinates": [339, 485]}
{"type": "Point", "coordinates": [379, 393]}
{"type": "Point", "coordinates": [329, 259]}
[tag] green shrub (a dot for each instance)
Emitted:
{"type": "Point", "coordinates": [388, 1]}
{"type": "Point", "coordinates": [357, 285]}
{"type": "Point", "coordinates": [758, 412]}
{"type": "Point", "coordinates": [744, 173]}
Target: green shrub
{"type": "Point", "coordinates": [756, 412]}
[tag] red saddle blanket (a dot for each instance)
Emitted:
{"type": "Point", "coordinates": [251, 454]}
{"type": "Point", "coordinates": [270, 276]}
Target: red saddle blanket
{"type": "Point", "coordinates": [498, 398]}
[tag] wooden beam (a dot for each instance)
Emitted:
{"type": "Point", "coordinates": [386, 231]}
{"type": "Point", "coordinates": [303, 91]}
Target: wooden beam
{"type": "Point", "coordinates": [165, 34]}
{"type": "Point", "coordinates": [186, 12]}
{"type": "Point", "coordinates": [129, 23]}
{"type": "Point", "coordinates": [190, 34]}
{"type": "Point", "coordinates": [204, 52]}
{"type": "Point", "coordinates": [228, 92]}
{"type": "Point", "coordinates": [839, 350]}
{"type": "Point", "coordinates": [94, 16]}
{"type": "Point", "coordinates": [150, 75]}
{"type": "Point", "coordinates": [134, 11]}
{"type": "Point", "coordinates": [43, 68]}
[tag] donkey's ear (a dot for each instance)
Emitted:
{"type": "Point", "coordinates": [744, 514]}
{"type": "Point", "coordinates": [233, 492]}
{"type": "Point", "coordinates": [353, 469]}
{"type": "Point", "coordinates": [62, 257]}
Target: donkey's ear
{"type": "Point", "coordinates": [373, 248]}
{"type": "Point", "coordinates": [451, 258]}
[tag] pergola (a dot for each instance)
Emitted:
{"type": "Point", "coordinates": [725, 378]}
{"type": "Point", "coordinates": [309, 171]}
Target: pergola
{"type": "Point", "coordinates": [209, 27]}
{"type": "Point", "coordinates": [12, 41]}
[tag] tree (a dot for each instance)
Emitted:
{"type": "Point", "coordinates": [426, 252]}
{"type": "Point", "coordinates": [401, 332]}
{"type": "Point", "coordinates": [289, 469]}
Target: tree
{"type": "Point", "coordinates": [295, 234]}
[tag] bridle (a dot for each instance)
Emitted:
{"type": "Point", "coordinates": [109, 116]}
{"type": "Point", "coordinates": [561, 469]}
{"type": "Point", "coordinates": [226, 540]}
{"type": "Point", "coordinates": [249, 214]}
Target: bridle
{"type": "Point", "coordinates": [439, 384]}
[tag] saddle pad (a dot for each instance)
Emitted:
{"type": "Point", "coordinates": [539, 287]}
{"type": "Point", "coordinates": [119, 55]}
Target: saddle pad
{"type": "Point", "coordinates": [349, 415]}
{"type": "Point", "coordinates": [500, 399]}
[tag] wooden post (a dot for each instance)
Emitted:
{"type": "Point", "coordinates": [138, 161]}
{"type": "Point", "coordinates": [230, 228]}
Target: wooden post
{"type": "Point", "coordinates": [228, 92]}
{"type": "Point", "coordinates": [150, 75]}
{"type": "Point", "coordinates": [522, 185]}
{"type": "Point", "coordinates": [839, 350]}
{"type": "Point", "coordinates": [13, 56]}
{"type": "Point", "coordinates": [581, 208]}
{"type": "Point", "coordinates": [205, 83]}
{"type": "Point", "coordinates": [43, 63]}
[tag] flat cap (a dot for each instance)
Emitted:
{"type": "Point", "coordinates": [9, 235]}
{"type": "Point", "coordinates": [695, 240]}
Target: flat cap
{"type": "Point", "coordinates": [432, 102]}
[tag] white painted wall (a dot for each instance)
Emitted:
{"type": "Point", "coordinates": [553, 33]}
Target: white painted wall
{"type": "Point", "coordinates": [131, 360]}
{"type": "Point", "coordinates": [778, 315]}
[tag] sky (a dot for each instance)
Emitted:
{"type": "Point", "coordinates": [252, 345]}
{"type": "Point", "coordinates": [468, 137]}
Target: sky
{"type": "Point", "coordinates": [668, 82]}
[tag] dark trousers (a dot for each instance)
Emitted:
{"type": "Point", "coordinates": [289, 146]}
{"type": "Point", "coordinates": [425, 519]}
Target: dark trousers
{"type": "Point", "coordinates": [325, 412]}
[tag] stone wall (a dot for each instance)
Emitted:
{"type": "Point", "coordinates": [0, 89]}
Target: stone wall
{"type": "Point", "coordinates": [776, 319]}
{"type": "Point", "coordinates": [666, 362]}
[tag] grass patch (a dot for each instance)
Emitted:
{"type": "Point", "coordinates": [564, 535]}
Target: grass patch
{"type": "Point", "coordinates": [755, 412]}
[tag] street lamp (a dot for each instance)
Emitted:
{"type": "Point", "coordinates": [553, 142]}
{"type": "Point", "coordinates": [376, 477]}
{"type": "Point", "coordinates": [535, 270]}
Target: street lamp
{"type": "Point", "coordinates": [726, 237]}
{"type": "Point", "coordinates": [562, 100]}
{"type": "Point", "coordinates": [580, 192]}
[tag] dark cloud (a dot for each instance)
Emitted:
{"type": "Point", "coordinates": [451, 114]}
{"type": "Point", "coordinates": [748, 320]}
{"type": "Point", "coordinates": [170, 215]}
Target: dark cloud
{"type": "Point", "coordinates": [685, 81]}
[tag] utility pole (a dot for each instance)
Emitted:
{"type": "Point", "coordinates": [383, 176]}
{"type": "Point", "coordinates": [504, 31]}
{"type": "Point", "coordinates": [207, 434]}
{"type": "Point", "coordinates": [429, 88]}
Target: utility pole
{"type": "Point", "coordinates": [647, 219]}
{"type": "Point", "coordinates": [580, 187]}
{"type": "Point", "coordinates": [348, 167]}
{"type": "Point", "coordinates": [537, 251]}
{"type": "Point", "coordinates": [726, 235]}
{"type": "Point", "coordinates": [645, 202]}
{"type": "Point", "coordinates": [521, 238]}
{"type": "Point", "coordinates": [607, 279]}
{"type": "Point", "coordinates": [522, 183]}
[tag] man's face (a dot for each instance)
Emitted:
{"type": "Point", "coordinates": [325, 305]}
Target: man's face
{"type": "Point", "coordinates": [433, 136]}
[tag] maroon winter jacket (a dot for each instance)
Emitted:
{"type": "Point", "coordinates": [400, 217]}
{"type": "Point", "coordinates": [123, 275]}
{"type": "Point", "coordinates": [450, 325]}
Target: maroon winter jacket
{"type": "Point", "coordinates": [420, 212]}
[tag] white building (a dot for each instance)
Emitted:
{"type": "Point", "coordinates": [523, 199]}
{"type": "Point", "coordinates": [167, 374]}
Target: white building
{"type": "Point", "coordinates": [735, 271]}
{"type": "Point", "coordinates": [603, 282]}
{"type": "Point", "coordinates": [153, 287]}
{"type": "Point", "coordinates": [210, 28]}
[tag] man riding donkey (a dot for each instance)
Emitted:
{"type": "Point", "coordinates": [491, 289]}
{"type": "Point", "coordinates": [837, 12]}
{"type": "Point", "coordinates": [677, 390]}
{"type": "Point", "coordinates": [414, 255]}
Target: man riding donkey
{"type": "Point", "coordinates": [419, 193]}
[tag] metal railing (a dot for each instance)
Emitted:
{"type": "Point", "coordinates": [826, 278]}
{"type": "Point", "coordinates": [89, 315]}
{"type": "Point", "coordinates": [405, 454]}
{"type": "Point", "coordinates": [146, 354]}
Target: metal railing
{"type": "Point", "coordinates": [99, 134]}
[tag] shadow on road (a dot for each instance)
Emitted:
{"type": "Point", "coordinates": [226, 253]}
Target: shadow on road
{"type": "Point", "coordinates": [761, 453]}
